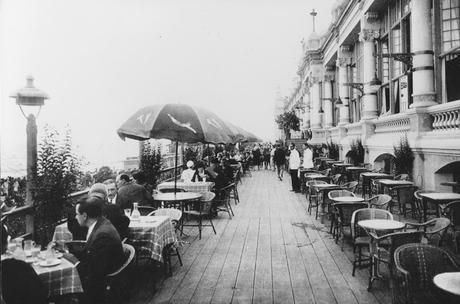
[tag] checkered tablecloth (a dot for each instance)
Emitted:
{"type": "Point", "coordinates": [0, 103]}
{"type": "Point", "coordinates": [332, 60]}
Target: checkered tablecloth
{"type": "Point", "coordinates": [61, 279]}
{"type": "Point", "coordinates": [148, 238]}
{"type": "Point", "coordinates": [199, 187]}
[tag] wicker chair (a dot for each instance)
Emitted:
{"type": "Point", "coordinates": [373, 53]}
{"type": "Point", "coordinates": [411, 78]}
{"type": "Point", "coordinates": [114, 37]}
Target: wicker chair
{"type": "Point", "coordinates": [325, 172]}
{"type": "Point", "coordinates": [204, 211]}
{"type": "Point", "coordinates": [114, 293]}
{"type": "Point", "coordinates": [406, 200]}
{"type": "Point", "coordinates": [359, 236]}
{"type": "Point", "coordinates": [343, 215]}
{"type": "Point", "coordinates": [380, 201]}
{"type": "Point", "coordinates": [430, 210]}
{"type": "Point", "coordinates": [222, 200]}
{"type": "Point", "coordinates": [312, 194]}
{"type": "Point", "coordinates": [336, 179]}
{"type": "Point", "coordinates": [402, 177]}
{"type": "Point", "coordinates": [434, 229]}
{"type": "Point", "coordinates": [452, 212]}
{"type": "Point", "coordinates": [350, 186]}
{"type": "Point", "coordinates": [385, 255]}
{"type": "Point", "coordinates": [416, 265]}
{"type": "Point", "coordinates": [331, 211]}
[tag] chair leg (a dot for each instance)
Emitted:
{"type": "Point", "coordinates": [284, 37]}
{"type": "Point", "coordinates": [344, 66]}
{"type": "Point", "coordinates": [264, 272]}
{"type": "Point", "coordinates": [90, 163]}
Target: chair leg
{"type": "Point", "coordinates": [212, 225]}
{"type": "Point", "coordinates": [199, 226]}
{"type": "Point", "coordinates": [178, 256]}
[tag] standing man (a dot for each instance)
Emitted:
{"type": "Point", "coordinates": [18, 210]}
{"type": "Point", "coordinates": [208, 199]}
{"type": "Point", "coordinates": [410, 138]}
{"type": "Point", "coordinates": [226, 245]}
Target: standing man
{"type": "Point", "coordinates": [279, 159]}
{"type": "Point", "coordinates": [294, 164]}
{"type": "Point", "coordinates": [103, 252]}
{"type": "Point", "coordinates": [307, 157]}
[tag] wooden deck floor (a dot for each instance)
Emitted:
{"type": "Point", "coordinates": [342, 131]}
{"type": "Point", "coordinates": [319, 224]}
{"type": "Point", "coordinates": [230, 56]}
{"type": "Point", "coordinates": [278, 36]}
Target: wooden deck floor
{"type": "Point", "coordinates": [272, 251]}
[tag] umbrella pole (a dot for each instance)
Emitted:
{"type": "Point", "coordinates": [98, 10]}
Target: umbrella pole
{"type": "Point", "coordinates": [175, 169]}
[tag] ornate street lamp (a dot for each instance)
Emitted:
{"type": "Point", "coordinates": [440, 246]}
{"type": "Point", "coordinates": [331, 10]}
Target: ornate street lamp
{"type": "Point", "coordinates": [30, 100]}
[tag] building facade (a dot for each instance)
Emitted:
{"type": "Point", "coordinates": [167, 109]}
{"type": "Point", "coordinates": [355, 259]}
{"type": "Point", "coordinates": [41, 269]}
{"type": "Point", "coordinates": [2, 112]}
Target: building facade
{"type": "Point", "coordinates": [386, 70]}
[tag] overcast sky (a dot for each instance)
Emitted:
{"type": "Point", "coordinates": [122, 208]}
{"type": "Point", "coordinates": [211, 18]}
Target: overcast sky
{"type": "Point", "coordinates": [101, 60]}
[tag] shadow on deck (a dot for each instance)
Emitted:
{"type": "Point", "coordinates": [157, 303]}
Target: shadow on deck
{"type": "Point", "coordinates": [272, 251]}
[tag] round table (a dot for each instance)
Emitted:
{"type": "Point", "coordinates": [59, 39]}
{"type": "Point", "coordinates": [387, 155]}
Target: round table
{"type": "Point", "coordinates": [448, 281]}
{"type": "Point", "coordinates": [175, 197]}
{"type": "Point", "coordinates": [178, 197]}
{"type": "Point", "coordinates": [348, 199]}
{"type": "Point", "coordinates": [379, 224]}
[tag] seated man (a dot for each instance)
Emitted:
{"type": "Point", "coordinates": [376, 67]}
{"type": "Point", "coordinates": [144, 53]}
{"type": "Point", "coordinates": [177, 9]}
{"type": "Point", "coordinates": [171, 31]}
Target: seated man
{"type": "Point", "coordinates": [20, 283]}
{"type": "Point", "coordinates": [199, 174]}
{"type": "Point", "coordinates": [130, 192]}
{"type": "Point", "coordinates": [103, 253]}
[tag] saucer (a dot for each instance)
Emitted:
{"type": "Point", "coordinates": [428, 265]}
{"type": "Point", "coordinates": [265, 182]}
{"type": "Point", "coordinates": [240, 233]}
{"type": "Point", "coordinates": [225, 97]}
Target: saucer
{"type": "Point", "coordinates": [50, 263]}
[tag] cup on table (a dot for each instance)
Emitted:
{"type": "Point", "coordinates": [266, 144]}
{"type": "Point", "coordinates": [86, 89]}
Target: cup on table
{"type": "Point", "coordinates": [28, 246]}
{"type": "Point", "coordinates": [204, 179]}
{"type": "Point", "coordinates": [128, 212]}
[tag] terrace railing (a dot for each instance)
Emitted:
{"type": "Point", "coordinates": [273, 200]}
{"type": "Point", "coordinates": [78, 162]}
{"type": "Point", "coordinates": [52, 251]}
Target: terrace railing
{"type": "Point", "coordinates": [20, 221]}
{"type": "Point", "coordinates": [445, 117]}
{"type": "Point", "coordinates": [393, 123]}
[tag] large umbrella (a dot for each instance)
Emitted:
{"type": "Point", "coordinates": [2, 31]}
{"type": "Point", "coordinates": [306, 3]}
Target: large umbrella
{"type": "Point", "coordinates": [241, 135]}
{"type": "Point", "coordinates": [176, 122]}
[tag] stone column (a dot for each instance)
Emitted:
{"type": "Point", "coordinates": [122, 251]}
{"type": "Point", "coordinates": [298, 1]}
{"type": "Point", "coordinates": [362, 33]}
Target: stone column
{"type": "Point", "coordinates": [369, 99]}
{"type": "Point", "coordinates": [342, 64]}
{"type": "Point", "coordinates": [327, 102]}
{"type": "Point", "coordinates": [422, 48]}
{"type": "Point", "coordinates": [315, 118]}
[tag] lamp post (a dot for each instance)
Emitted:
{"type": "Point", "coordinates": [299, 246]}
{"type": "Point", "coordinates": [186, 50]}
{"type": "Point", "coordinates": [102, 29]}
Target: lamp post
{"type": "Point", "coordinates": [30, 101]}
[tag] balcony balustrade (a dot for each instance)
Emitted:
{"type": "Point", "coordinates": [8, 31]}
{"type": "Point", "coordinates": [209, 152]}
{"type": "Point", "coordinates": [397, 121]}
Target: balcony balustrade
{"type": "Point", "coordinates": [392, 124]}
{"type": "Point", "coordinates": [445, 117]}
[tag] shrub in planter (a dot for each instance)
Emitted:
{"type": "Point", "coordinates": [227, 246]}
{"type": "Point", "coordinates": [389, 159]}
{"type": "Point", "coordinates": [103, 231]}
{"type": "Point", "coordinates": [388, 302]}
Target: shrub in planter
{"type": "Point", "coordinates": [404, 157]}
{"type": "Point", "coordinates": [333, 149]}
{"type": "Point", "coordinates": [288, 121]}
{"type": "Point", "coordinates": [356, 153]}
{"type": "Point", "coordinates": [150, 163]}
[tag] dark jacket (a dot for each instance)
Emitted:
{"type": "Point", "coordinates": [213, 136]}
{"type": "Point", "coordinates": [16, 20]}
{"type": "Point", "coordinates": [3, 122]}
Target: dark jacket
{"type": "Point", "coordinates": [103, 254]}
{"type": "Point", "coordinates": [118, 219]}
{"type": "Point", "coordinates": [132, 192]}
{"type": "Point", "coordinates": [21, 284]}
{"type": "Point", "coordinates": [280, 156]}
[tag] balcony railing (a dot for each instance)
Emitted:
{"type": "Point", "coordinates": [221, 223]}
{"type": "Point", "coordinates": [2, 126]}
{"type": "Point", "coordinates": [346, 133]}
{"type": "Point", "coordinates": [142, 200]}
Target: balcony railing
{"type": "Point", "coordinates": [354, 129]}
{"type": "Point", "coordinates": [393, 123]}
{"type": "Point", "coordinates": [445, 117]}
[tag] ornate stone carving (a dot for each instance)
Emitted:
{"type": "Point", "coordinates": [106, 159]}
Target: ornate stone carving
{"type": "Point", "coordinates": [368, 35]}
{"type": "Point", "coordinates": [345, 48]}
{"type": "Point", "coordinates": [343, 62]}
{"type": "Point", "coordinates": [372, 17]}
{"type": "Point", "coordinates": [329, 77]}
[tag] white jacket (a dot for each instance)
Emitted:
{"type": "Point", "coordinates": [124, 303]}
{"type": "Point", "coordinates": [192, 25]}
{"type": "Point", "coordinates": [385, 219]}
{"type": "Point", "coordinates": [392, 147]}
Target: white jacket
{"type": "Point", "coordinates": [307, 159]}
{"type": "Point", "coordinates": [294, 160]}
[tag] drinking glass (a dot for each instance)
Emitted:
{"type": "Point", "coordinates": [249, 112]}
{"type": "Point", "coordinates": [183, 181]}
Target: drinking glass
{"type": "Point", "coordinates": [28, 245]}
{"type": "Point", "coordinates": [128, 212]}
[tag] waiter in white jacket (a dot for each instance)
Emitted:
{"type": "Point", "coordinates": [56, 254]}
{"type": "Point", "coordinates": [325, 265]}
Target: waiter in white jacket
{"type": "Point", "coordinates": [294, 164]}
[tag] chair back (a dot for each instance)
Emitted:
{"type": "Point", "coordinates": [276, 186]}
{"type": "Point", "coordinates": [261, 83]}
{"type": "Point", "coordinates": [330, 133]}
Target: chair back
{"type": "Point", "coordinates": [419, 263]}
{"type": "Point", "coordinates": [436, 230]}
{"type": "Point", "coordinates": [145, 210]}
{"type": "Point", "coordinates": [171, 190]}
{"type": "Point", "coordinates": [350, 186]}
{"type": "Point", "coordinates": [335, 179]}
{"type": "Point", "coordinates": [206, 201]}
{"type": "Point", "coordinates": [398, 239]}
{"type": "Point", "coordinates": [309, 184]}
{"type": "Point", "coordinates": [341, 192]}
{"type": "Point", "coordinates": [325, 172]}
{"type": "Point", "coordinates": [380, 201]}
{"type": "Point", "coordinates": [367, 214]}
{"type": "Point", "coordinates": [346, 211]}
{"type": "Point", "coordinates": [173, 213]}
{"type": "Point", "coordinates": [452, 212]}
{"type": "Point", "coordinates": [129, 253]}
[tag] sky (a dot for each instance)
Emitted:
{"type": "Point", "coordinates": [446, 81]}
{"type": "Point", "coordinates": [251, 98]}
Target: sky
{"type": "Point", "coordinates": [100, 61]}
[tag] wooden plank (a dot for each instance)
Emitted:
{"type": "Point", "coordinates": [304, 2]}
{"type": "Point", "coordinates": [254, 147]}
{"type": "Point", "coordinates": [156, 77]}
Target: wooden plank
{"type": "Point", "coordinates": [263, 271]}
{"type": "Point", "coordinates": [207, 284]}
{"type": "Point", "coordinates": [282, 288]}
{"type": "Point", "coordinates": [223, 292]}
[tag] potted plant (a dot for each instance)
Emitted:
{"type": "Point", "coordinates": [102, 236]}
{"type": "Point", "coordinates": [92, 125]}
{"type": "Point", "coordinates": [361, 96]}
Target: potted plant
{"type": "Point", "coordinates": [404, 157]}
{"type": "Point", "coordinates": [333, 149]}
{"type": "Point", "coordinates": [356, 153]}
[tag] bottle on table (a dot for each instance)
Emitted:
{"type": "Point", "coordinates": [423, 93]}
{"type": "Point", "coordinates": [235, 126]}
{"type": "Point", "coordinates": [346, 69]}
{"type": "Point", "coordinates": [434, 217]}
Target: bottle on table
{"type": "Point", "coordinates": [135, 214]}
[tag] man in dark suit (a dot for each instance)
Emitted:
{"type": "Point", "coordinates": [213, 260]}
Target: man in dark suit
{"type": "Point", "coordinates": [130, 192]}
{"type": "Point", "coordinates": [103, 253]}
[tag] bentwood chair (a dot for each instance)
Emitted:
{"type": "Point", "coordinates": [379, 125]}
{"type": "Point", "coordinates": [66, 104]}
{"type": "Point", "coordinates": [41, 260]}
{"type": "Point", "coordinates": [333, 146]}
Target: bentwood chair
{"type": "Point", "coordinates": [360, 237]}
{"type": "Point", "coordinates": [115, 293]}
{"type": "Point", "coordinates": [203, 212]}
{"type": "Point", "coordinates": [379, 201]}
{"type": "Point", "coordinates": [343, 215]}
{"type": "Point", "coordinates": [416, 265]}
{"type": "Point", "coordinates": [222, 200]}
